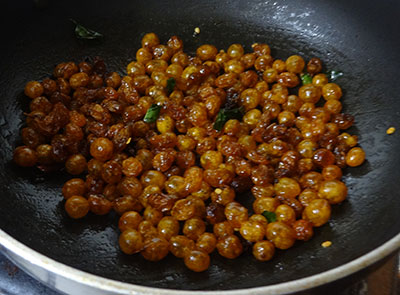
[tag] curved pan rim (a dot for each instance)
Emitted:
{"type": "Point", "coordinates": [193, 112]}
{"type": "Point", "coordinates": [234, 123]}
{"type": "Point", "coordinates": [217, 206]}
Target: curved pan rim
{"type": "Point", "coordinates": [61, 274]}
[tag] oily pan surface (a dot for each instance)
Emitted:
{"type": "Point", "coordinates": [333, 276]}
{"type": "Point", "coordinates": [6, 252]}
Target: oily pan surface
{"type": "Point", "coordinates": [345, 38]}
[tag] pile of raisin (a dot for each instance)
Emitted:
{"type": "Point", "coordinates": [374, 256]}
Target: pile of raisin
{"type": "Point", "coordinates": [174, 178]}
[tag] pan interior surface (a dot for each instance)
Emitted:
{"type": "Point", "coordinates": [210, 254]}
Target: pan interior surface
{"type": "Point", "coordinates": [346, 36]}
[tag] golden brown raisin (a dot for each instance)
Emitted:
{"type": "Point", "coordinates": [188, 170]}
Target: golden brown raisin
{"type": "Point", "coordinates": [77, 207]}
{"type": "Point", "coordinates": [197, 261]}
{"type": "Point", "coordinates": [229, 247]}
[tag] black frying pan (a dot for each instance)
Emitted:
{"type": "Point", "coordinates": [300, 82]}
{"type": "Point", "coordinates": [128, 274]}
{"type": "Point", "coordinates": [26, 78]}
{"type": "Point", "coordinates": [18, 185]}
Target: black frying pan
{"type": "Point", "coordinates": [358, 37]}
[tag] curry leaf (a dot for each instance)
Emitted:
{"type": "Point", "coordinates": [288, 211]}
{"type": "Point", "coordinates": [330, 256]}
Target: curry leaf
{"type": "Point", "coordinates": [152, 113]}
{"type": "Point", "coordinates": [227, 114]}
{"type": "Point", "coordinates": [306, 79]}
{"type": "Point", "coordinates": [271, 216]}
{"type": "Point", "coordinates": [170, 85]}
{"type": "Point", "coordinates": [84, 33]}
